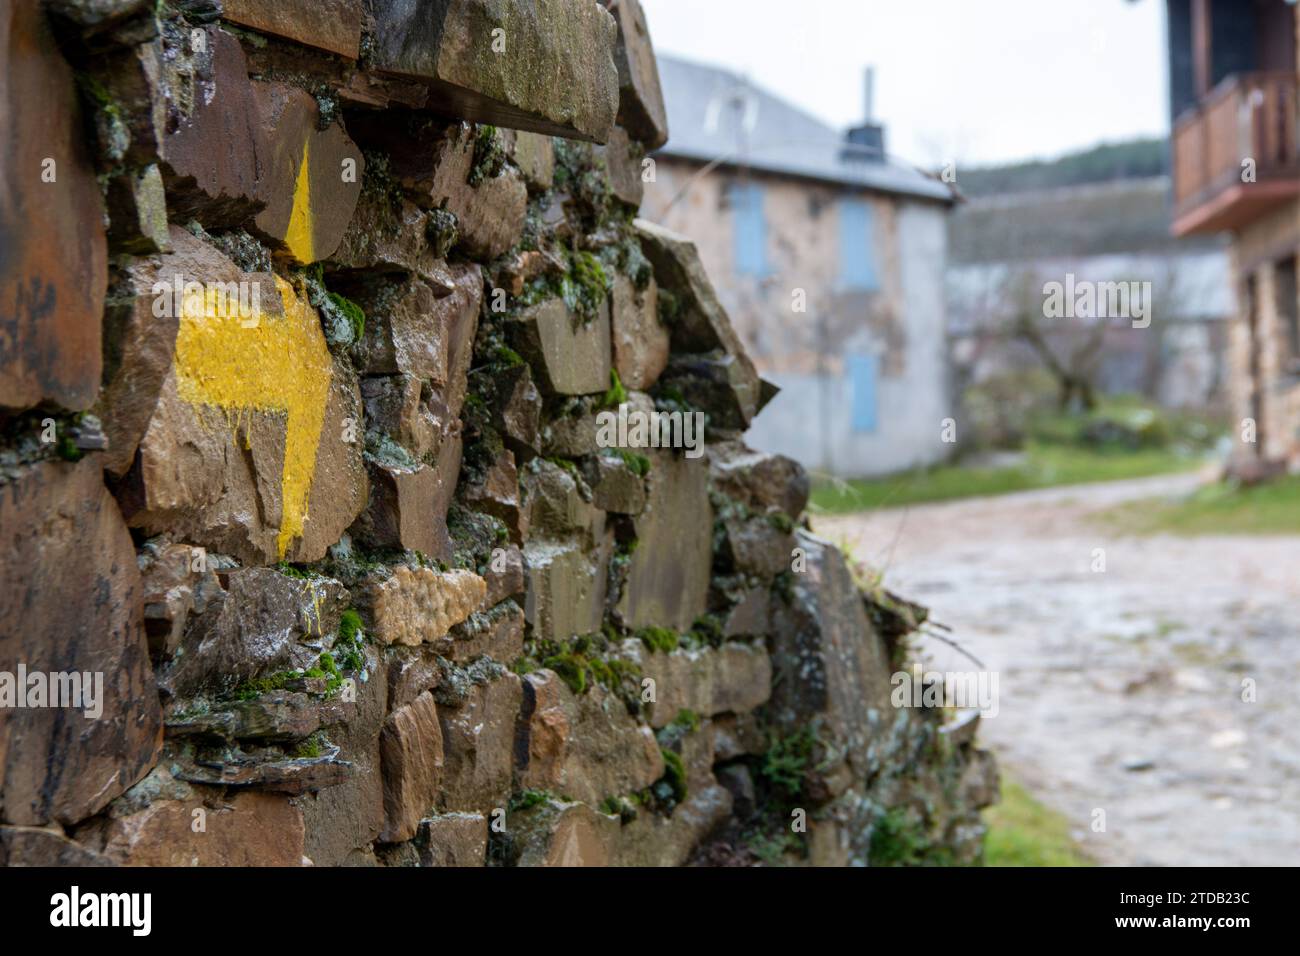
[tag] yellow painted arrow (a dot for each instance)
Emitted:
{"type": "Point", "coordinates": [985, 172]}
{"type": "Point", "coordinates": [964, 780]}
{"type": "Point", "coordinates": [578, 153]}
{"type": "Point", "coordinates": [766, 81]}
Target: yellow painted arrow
{"type": "Point", "coordinates": [263, 363]}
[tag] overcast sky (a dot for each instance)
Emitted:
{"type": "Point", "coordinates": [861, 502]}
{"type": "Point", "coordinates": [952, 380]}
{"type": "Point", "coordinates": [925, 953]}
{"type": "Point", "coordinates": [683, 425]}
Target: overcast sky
{"type": "Point", "coordinates": [976, 81]}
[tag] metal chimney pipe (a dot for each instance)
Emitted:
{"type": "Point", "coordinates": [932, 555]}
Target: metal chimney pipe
{"type": "Point", "coordinates": [868, 94]}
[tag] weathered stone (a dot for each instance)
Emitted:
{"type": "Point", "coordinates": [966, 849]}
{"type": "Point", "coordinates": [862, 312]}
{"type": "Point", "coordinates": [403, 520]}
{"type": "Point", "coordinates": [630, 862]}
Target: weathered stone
{"type": "Point", "coordinates": [572, 435]}
{"type": "Point", "coordinates": [517, 410]}
{"type": "Point", "coordinates": [396, 405]}
{"type": "Point", "coordinates": [640, 99]}
{"type": "Point", "coordinates": [253, 447]}
{"type": "Point", "coordinates": [388, 235]}
{"type": "Point", "coordinates": [587, 747]}
{"type": "Point", "coordinates": [176, 582]}
{"type": "Point", "coordinates": [640, 340]}
{"type": "Point", "coordinates": [497, 632]}
{"type": "Point", "coordinates": [701, 326]}
{"type": "Point", "coordinates": [332, 25]}
{"type": "Point", "coordinates": [310, 179]}
{"type": "Point", "coordinates": [615, 486]}
{"type": "Point", "coordinates": [761, 480]}
{"type": "Point", "coordinates": [33, 846]}
{"type": "Point", "coordinates": [723, 386]}
{"type": "Point", "coordinates": [404, 512]}
{"type": "Point", "coordinates": [504, 575]}
{"type": "Point", "coordinates": [406, 329]}
{"type": "Point", "coordinates": [440, 167]}
{"type": "Point", "coordinates": [737, 735]}
{"type": "Point", "coordinates": [540, 65]}
{"type": "Point", "coordinates": [53, 268]}
{"type": "Point", "coordinates": [478, 742]}
{"type": "Point", "coordinates": [495, 491]}
{"type": "Point", "coordinates": [622, 160]}
{"type": "Point", "coordinates": [828, 664]}
{"type": "Point", "coordinates": [561, 833]}
{"type": "Point", "coordinates": [240, 829]}
{"type": "Point", "coordinates": [559, 504]}
{"type": "Point", "coordinates": [572, 355]}
{"type": "Point", "coordinates": [668, 576]}
{"type": "Point", "coordinates": [414, 605]}
{"type": "Point", "coordinates": [206, 176]}
{"type": "Point", "coordinates": [733, 678]}
{"type": "Point", "coordinates": [71, 604]}
{"type": "Point", "coordinates": [654, 840]}
{"type": "Point", "coordinates": [748, 616]}
{"type": "Point", "coordinates": [278, 716]}
{"type": "Point", "coordinates": [760, 545]}
{"type": "Point", "coordinates": [137, 212]}
{"type": "Point", "coordinates": [265, 622]}
{"type": "Point", "coordinates": [411, 671]}
{"type": "Point", "coordinates": [453, 839]}
{"type": "Point", "coordinates": [412, 749]}
{"type": "Point", "coordinates": [534, 154]}
{"type": "Point", "coordinates": [566, 588]}
{"type": "Point", "coordinates": [260, 769]}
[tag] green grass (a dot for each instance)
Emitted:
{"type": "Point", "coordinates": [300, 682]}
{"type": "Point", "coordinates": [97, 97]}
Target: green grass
{"type": "Point", "coordinates": [1046, 465]}
{"type": "Point", "coordinates": [1221, 508]}
{"type": "Point", "coordinates": [1023, 832]}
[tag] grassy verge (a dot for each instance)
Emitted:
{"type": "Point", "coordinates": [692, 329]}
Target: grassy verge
{"type": "Point", "coordinates": [1023, 832]}
{"type": "Point", "coordinates": [1272, 508]}
{"type": "Point", "coordinates": [1045, 465]}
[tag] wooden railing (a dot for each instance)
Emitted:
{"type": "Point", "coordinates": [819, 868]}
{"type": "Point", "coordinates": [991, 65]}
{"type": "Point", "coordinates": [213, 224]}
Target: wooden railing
{"type": "Point", "coordinates": [1248, 116]}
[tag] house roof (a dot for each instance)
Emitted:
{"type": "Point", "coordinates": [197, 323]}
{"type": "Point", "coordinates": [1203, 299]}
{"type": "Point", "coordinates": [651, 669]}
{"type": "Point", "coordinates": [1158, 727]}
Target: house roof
{"type": "Point", "coordinates": [714, 114]}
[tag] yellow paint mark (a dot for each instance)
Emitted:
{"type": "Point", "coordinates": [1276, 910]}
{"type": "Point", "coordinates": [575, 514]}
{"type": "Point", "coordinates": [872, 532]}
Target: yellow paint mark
{"type": "Point", "coordinates": [277, 363]}
{"type": "Point", "coordinates": [298, 236]}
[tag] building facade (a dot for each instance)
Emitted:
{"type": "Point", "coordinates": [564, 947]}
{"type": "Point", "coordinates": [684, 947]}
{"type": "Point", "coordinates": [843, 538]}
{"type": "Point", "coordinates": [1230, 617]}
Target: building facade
{"type": "Point", "coordinates": [1236, 169]}
{"type": "Point", "coordinates": [830, 259]}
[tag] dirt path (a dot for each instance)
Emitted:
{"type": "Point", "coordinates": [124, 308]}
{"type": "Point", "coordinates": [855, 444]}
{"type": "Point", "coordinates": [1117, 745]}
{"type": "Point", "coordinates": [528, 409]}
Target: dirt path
{"type": "Point", "coordinates": [1120, 690]}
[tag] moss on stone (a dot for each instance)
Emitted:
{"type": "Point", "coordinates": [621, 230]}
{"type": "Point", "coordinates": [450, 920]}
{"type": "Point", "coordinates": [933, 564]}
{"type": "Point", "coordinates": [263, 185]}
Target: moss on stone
{"type": "Point", "coordinates": [659, 639]}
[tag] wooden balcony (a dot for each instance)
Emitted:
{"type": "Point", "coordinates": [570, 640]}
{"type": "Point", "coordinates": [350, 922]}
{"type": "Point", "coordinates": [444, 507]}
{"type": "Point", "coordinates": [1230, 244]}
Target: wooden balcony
{"type": "Point", "coordinates": [1247, 116]}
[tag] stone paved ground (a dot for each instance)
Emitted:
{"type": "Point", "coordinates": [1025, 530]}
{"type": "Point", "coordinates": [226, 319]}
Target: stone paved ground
{"type": "Point", "coordinates": [1119, 690]}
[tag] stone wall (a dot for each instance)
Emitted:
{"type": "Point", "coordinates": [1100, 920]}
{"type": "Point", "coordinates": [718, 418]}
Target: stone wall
{"type": "Point", "coordinates": [308, 310]}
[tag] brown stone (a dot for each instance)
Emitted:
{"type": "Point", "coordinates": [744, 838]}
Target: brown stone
{"type": "Point", "coordinates": [71, 603]}
{"type": "Point", "coordinates": [504, 575]}
{"type": "Point", "coordinates": [253, 406]}
{"type": "Point", "coordinates": [640, 340]}
{"type": "Point", "coordinates": [572, 355]}
{"type": "Point", "coordinates": [497, 632]}
{"type": "Point", "coordinates": [332, 25]}
{"type": "Point", "coordinates": [622, 160]}
{"type": "Point", "coordinates": [389, 236]}
{"type": "Point", "coordinates": [761, 480]}
{"type": "Point", "coordinates": [407, 330]}
{"type": "Point", "coordinates": [453, 839]}
{"type": "Point", "coordinates": [478, 741]}
{"type": "Point", "coordinates": [566, 588]}
{"type": "Point", "coordinates": [555, 73]}
{"type": "Point", "coordinates": [176, 583]}
{"type": "Point", "coordinates": [559, 504]}
{"type": "Point", "coordinates": [403, 511]}
{"type": "Point", "coordinates": [534, 154]}
{"type": "Point", "coordinates": [640, 99]}
{"type": "Point", "coordinates": [560, 833]}
{"type": "Point", "coordinates": [412, 750]}
{"type": "Point", "coordinates": [733, 678]}
{"type": "Point", "coordinates": [585, 746]}
{"type": "Point", "coordinates": [397, 406]}
{"type": "Point", "coordinates": [668, 576]}
{"type": "Point", "coordinates": [53, 268]}
{"type": "Point", "coordinates": [240, 829]}
{"type": "Point", "coordinates": [614, 485]}
{"type": "Point", "coordinates": [137, 212]}
{"type": "Point", "coordinates": [206, 175]}
{"type": "Point", "coordinates": [265, 622]}
{"type": "Point", "coordinates": [496, 492]}
{"type": "Point", "coordinates": [411, 671]}
{"type": "Point", "coordinates": [310, 178]}
{"type": "Point", "coordinates": [33, 846]}
{"type": "Point", "coordinates": [414, 605]}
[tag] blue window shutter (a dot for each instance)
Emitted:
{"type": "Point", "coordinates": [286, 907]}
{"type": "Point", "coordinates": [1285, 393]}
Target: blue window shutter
{"type": "Point", "coordinates": [750, 229]}
{"type": "Point", "coordinates": [857, 246]}
{"type": "Point", "coordinates": [863, 374]}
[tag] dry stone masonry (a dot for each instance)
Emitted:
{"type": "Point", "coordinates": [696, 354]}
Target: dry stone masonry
{"type": "Point", "coordinates": [307, 314]}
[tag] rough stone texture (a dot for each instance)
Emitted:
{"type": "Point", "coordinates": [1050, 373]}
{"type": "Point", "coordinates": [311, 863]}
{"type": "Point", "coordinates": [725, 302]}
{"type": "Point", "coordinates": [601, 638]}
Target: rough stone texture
{"type": "Point", "coordinates": [71, 602]}
{"type": "Point", "coordinates": [733, 678]}
{"type": "Point", "coordinates": [668, 577]}
{"type": "Point", "coordinates": [622, 160]}
{"type": "Point", "coordinates": [176, 584]}
{"type": "Point", "coordinates": [137, 212]}
{"type": "Point", "coordinates": [498, 633]}
{"type": "Point", "coordinates": [53, 265]}
{"type": "Point", "coordinates": [555, 74]}
{"type": "Point", "coordinates": [587, 747]}
{"type": "Point", "coordinates": [573, 355]}
{"type": "Point", "coordinates": [253, 446]}
{"type": "Point", "coordinates": [566, 589]}
{"type": "Point", "coordinates": [333, 25]}
{"type": "Point", "coordinates": [412, 755]}
{"type": "Point", "coordinates": [33, 846]}
{"type": "Point", "coordinates": [306, 182]}
{"type": "Point", "coordinates": [761, 480]}
{"type": "Point", "coordinates": [640, 339]}
{"type": "Point", "coordinates": [419, 604]}
{"type": "Point", "coordinates": [827, 662]}
{"type": "Point", "coordinates": [264, 622]}
{"type": "Point", "coordinates": [640, 100]}
{"type": "Point", "coordinates": [478, 743]}
{"type": "Point", "coordinates": [561, 833]}
{"type": "Point", "coordinates": [535, 157]}
{"type": "Point", "coordinates": [240, 829]}
{"type": "Point", "coordinates": [453, 839]}
{"type": "Point", "coordinates": [615, 486]}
